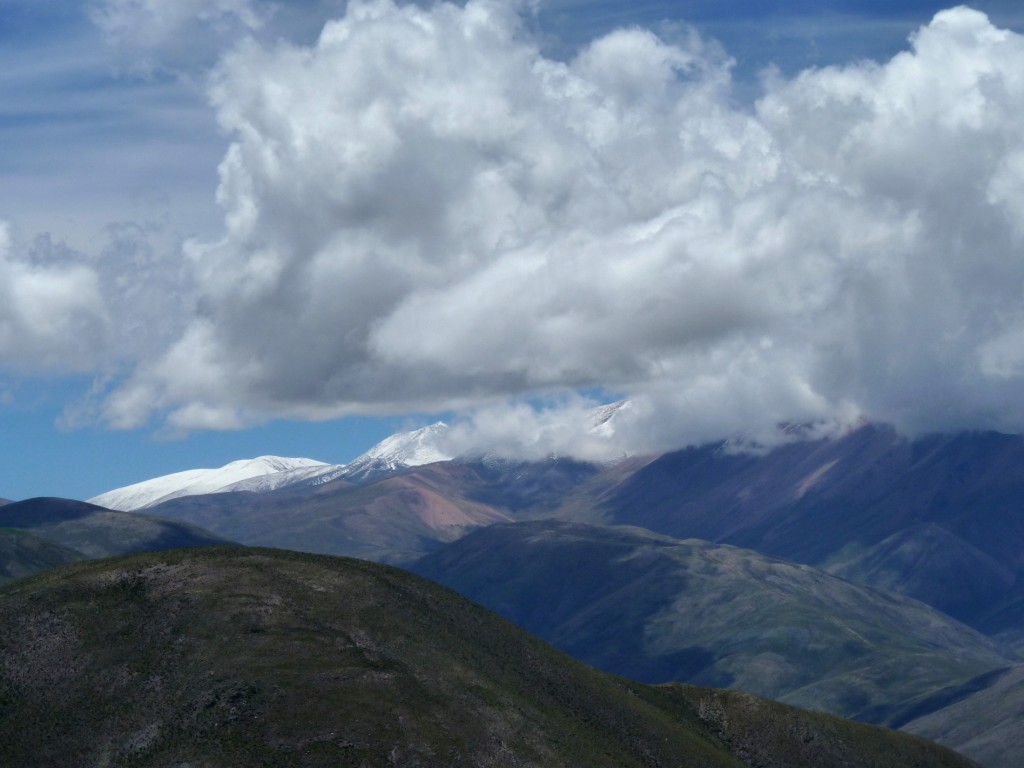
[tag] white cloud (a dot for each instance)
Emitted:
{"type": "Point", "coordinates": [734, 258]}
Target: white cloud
{"type": "Point", "coordinates": [52, 315]}
{"type": "Point", "coordinates": [423, 212]}
{"type": "Point", "coordinates": [152, 34]}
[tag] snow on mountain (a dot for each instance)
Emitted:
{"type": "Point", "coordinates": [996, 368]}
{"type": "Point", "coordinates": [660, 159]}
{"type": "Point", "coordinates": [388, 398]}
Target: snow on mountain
{"type": "Point", "coordinates": [409, 449]}
{"type": "Point", "coordinates": [267, 473]}
{"type": "Point", "coordinates": [274, 472]}
{"type": "Point", "coordinates": [405, 449]}
{"type": "Point", "coordinates": [604, 417]}
{"type": "Point", "coordinates": [315, 474]}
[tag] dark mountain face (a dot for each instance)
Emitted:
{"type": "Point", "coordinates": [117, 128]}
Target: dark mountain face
{"type": "Point", "coordinates": [97, 532]}
{"type": "Point", "coordinates": [831, 502]}
{"type": "Point", "coordinates": [982, 720]}
{"type": "Point", "coordinates": [226, 657]}
{"type": "Point", "coordinates": [22, 554]}
{"type": "Point", "coordinates": [657, 609]}
{"type": "Point", "coordinates": [930, 564]}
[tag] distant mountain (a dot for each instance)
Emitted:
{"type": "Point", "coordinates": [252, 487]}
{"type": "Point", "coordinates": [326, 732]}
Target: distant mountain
{"type": "Point", "coordinates": [22, 554]}
{"type": "Point", "coordinates": [929, 563]}
{"type": "Point", "coordinates": [936, 518]}
{"type": "Point", "coordinates": [97, 532]}
{"type": "Point", "coordinates": [267, 471]}
{"type": "Point", "coordinates": [400, 451]}
{"type": "Point", "coordinates": [870, 504]}
{"type": "Point", "coordinates": [396, 518]}
{"type": "Point", "coordinates": [658, 609]}
{"type": "Point", "coordinates": [226, 657]}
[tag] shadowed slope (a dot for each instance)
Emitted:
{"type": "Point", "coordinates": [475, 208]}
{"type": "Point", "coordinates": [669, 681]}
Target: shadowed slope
{"type": "Point", "coordinates": [224, 657]}
{"type": "Point", "coordinates": [99, 532]}
{"type": "Point", "coordinates": [656, 608]}
{"type": "Point", "coordinates": [22, 554]}
{"type": "Point", "coordinates": [932, 565]}
{"type": "Point", "coordinates": [985, 724]}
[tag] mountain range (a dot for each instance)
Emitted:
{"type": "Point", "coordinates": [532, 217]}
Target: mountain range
{"type": "Point", "coordinates": [866, 574]}
{"type": "Point", "coordinates": [268, 473]}
{"type": "Point", "coordinates": [936, 518]}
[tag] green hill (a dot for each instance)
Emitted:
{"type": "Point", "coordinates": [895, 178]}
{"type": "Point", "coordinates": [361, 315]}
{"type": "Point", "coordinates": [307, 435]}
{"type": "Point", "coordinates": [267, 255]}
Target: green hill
{"type": "Point", "coordinates": [228, 657]}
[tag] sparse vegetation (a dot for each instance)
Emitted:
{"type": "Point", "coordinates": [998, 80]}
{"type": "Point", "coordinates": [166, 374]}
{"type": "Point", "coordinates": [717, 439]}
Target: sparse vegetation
{"type": "Point", "coordinates": [225, 657]}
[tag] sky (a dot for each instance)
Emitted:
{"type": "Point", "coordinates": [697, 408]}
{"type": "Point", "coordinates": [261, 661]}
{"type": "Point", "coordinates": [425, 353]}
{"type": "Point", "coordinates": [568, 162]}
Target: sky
{"type": "Point", "coordinates": [231, 228]}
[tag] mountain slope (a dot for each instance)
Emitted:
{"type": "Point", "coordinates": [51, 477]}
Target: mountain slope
{"type": "Point", "coordinates": [658, 609]}
{"type": "Point", "coordinates": [97, 532]}
{"type": "Point", "coordinates": [22, 554]}
{"type": "Point", "coordinates": [225, 657]}
{"type": "Point", "coordinates": [985, 725]}
{"type": "Point", "coordinates": [930, 564]}
{"type": "Point", "coordinates": [886, 482]}
{"type": "Point", "coordinates": [396, 519]}
{"type": "Point", "coordinates": [825, 502]}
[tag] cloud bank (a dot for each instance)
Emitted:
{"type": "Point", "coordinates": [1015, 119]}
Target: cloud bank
{"type": "Point", "coordinates": [424, 213]}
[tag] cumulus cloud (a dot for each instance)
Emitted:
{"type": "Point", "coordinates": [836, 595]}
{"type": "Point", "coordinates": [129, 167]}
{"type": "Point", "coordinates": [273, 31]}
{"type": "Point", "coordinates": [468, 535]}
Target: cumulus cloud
{"type": "Point", "coordinates": [423, 212]}
{"type": "Point", "coordinates": [52, 315]}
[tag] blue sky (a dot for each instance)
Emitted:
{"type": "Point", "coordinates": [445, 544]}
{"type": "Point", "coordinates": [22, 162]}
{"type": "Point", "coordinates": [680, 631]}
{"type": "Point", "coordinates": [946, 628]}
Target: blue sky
{"type": "Point", "coordinates": [224, 239]}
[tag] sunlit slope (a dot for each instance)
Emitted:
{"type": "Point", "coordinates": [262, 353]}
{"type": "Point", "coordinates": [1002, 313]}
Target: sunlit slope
{"type": "Point", "coordinates": [226, 657]}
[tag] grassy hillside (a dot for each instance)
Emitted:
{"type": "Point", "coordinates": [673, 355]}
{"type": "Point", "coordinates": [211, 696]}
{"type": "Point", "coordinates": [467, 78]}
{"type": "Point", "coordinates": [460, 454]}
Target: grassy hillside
{"type": "Point", "coordinates": [655, 608]}
{"type": "Point", "coordinates": [227, 657]}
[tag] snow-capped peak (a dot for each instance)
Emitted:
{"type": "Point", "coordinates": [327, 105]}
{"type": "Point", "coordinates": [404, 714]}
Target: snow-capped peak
{"type": "Point", "coordinates": [409, 449]}
{"type": "Point", "coordinates": [198, 481]}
